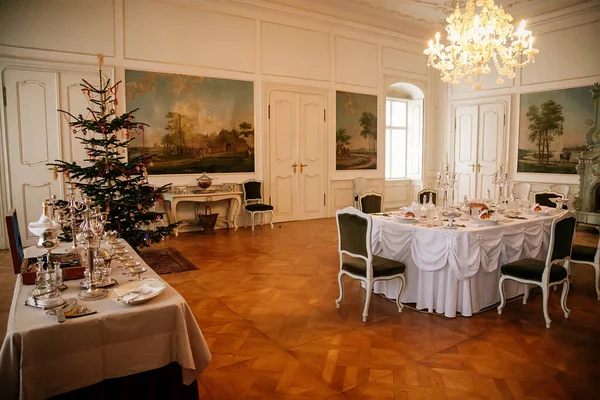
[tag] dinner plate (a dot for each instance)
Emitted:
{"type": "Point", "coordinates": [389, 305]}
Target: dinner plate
{"type": "Point", "coordinates": [407, 220]}
{"type": "Point", "coordinates": [126, 294]}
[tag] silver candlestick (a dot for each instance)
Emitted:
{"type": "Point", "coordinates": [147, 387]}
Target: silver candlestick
{"type": "Point", "coordinates": [446, 181]}
{"type": "Point", "coordinates": [87, 253]}
{"type": "Point", "coordinates": [74, 207]}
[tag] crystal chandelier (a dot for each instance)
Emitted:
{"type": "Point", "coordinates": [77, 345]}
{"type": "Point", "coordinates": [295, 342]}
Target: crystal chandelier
{"type": "Point", "coordinates": [476, 39]}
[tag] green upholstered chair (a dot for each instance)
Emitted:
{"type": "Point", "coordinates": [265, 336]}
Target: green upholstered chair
{"type": "Point", "coordinates": [555, 270]}
{"type": "Point", "coordinates": [423, 196]}
{"type": "Point", "coordinates": [357, 260]}
{"type": "Point", "coordinates": [253, 201]}
{"type": "Point", "coordinates": [543, 198]}
{"type": "Point", "coordinates": [588, 255]}
{"type": "Point", "coordinates": [370, 202]}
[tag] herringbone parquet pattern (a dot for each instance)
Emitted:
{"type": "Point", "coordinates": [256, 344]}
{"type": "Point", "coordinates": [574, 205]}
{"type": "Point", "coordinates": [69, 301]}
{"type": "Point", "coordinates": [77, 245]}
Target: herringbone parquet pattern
{"type": "Point", "coordinates": [265, 303]}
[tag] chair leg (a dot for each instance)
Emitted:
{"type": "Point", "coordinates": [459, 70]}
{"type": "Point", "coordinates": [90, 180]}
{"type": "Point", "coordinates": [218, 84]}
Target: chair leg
{"type": "Point", "coordinates": [245, 218]}
{"type": "Point", "coordinates": [369, 291]}
{"type": "Point", "coordinates": [402, 285]}
{"type": "Point", "coordinates": [252, 220]}
{"type": "Point", "coordinates": [545, 305]}
{"type": "Point", "coordinates": [273, 216]}
{"type": "Point", "coordinates": [563, 298]}
{"type": "Point", "coordinates": [526, 295]}
{"type": "Point", "coordinates": [502, 297]}
{"type": "Point", "coordinates": [597, 279]}
{"type": "Point", "coordinates": [341, 284]}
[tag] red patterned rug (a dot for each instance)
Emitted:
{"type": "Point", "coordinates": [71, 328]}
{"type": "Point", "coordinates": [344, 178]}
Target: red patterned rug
{"type": "Point", "coordinates": [167, 261]}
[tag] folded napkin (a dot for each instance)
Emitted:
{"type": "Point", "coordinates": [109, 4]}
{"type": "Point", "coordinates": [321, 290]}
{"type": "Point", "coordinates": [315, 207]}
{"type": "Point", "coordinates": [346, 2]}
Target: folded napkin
{"type": "Point", "coordinates": [137, 292]}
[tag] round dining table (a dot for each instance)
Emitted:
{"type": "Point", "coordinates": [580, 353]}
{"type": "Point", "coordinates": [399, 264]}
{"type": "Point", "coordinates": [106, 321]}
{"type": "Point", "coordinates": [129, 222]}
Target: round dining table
{"type": "Point", "coordinates": [450, 271]}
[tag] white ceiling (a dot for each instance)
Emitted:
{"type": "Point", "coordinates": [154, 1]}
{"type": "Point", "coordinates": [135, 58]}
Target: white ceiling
{"type": "Point", "coordinates": [417, 17]}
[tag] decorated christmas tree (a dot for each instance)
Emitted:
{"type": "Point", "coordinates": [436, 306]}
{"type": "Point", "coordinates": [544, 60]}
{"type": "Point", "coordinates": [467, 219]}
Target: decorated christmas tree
{"type": "Point", "coordinates": [119, 185]}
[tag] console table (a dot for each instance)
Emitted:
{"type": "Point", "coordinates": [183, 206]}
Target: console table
{"type": "Point", "coordinates": [234, 198]}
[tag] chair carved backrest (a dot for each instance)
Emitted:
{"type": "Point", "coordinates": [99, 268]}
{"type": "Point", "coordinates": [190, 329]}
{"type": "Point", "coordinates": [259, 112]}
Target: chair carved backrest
{"type": "Point", "coordinates": [423, 196]}
{"type": "Point", "coordinates": [354, 236]}
{"type": "Point", "coordinates": [370, 202]}
{"type": "Point", "coordinates": [522, 189]}
{"type": "Point", "coordinates": [562, 235]}
{"type": "Point", "coordinates": [14, 240]}
{"type": "Point", "coordinates": [561, 188]}
{"type": "Point", "coordinates": [543, 198]}
{"type": "Point", "coordinates": [252, 191]}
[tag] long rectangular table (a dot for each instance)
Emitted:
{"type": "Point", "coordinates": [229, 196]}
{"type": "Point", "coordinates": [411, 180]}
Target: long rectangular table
{"type": "Point", "coordinates": [452, 271]}
{"type": "Point", "coordinates": [41, 358]}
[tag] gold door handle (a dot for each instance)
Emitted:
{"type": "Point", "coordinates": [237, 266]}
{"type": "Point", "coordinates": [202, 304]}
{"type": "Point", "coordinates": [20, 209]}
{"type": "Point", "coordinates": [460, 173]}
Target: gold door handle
{"type": "Point", "coordinates": [478, 167]}
{"type": "Point", "coordinates": [472, 167]}
{"type": "Point", "coordinates": [294, 165]}
{"type": "Point", "coordinates": [302, 166]}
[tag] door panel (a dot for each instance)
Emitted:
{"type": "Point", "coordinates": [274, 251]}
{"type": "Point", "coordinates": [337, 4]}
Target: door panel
{"type": "Point", "coordinates": [284, 150]}
{"type": "Point", "coordinates": [33, 140]}
{"type": "Point", "coordinates": [465, 148]}
{"type": "Point", "coordinates": [490, 146]}
{"type": "Point", "coordinates": [312, 133]}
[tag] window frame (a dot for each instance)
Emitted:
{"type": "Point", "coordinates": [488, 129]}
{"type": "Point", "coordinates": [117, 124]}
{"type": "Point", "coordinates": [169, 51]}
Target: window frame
{"type": "Point", "coordinates": [388, 139]}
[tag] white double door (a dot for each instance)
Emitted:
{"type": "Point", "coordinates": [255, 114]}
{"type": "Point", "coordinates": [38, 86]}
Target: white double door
{"type": "Point", "coordinates": [35, 134]}
{"type": "Point", "coordinates": [297, 154]}
{"type": "Point", "coordinates": [479, 147]}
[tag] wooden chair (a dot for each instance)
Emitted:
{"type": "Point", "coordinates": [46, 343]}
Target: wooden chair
{"type": "Point", "coordinates": [357, 260]}
{"type": "Point", "coordinates": [552, 272]}
{"type": "Point", "coordinates": [370, 202]}
{"type": "Point", "coordinates": [14, 240]}
{"type": "Point", "coordinates": [588, 255]}
{"type": "Point", "coordinates": [423, 196]}
{"type": "Point", "coordinates": [253, 201]}
{"type": "Point", "coordinates": [522, 189]}
{"type": "Point", "coordinates": [543, 198]}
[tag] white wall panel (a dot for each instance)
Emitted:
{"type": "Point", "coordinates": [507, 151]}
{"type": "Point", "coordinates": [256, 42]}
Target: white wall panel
{"type": "Point", "coordinates": [565, 54]}
{"type": "Point", "coordinates": [156, 31]}
{"type": "Point", "coordinates": [404, 61]}
{"type": "Point", "coordinates": [356, 62]}
{"type": "Point", "coordinates": [295, 52]}
{"type": "Point", "coordinates": [82, 26]}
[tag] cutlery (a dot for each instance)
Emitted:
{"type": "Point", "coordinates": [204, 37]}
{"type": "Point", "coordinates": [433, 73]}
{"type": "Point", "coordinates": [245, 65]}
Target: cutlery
{"type": "Point", "coordinates": [143, 293]}
{"type": "Point", "coordinates": [137, 290]}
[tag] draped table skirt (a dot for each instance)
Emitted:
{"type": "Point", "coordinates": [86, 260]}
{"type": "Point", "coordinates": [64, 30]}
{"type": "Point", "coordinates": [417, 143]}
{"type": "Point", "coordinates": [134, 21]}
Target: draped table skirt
{"type": "Point", "coordinates": [452, 271]}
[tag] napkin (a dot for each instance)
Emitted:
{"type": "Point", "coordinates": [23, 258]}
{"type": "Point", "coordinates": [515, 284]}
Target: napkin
{"type": "Point", "coordinates": [140, 292]}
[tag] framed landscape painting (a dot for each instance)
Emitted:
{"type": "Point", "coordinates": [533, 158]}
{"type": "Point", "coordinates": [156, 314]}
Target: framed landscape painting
{"type": "Point", "coordinates": [356, 131]}
{"type": "Point", "coordinates": [197, 124]}
{"type": "Point", "coordinates": [552, 129]}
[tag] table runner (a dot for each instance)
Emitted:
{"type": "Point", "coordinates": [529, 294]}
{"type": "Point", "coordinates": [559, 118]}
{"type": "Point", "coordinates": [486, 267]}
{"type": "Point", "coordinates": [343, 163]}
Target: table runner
{"type": "Point", "coordinates": [457, 270]}
{"type": "Point", "coordinates": [41, 358]}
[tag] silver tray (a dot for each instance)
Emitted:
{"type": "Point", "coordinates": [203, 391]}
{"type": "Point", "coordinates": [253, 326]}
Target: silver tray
{"type": "Point", "coordinates": [100, 285]}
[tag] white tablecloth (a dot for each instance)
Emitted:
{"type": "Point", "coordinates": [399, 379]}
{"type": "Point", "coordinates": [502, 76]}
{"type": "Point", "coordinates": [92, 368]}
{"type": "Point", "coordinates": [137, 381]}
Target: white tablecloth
{"type": "Point", "coordinates": [456, 270]}
{"type": "Point", "coordinates": [41, 358]}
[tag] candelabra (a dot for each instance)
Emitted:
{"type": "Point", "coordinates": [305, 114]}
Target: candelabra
{"type": "Point", "coordinates": [501, 181]}
{"type": "Point", "coordinates": [87, 253]}
{"type": "Point", "coordinates": [446, 182]}
{"type": "Point", "coordinates": [69, 214]}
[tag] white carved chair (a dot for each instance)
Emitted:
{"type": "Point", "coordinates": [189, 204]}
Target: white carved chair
{"type": "Point", "coordinates": [588, 255]}
{"type": "Point", "coordinates": [357, 260]}
{"type": "Point", "coordinates": [552, 272]}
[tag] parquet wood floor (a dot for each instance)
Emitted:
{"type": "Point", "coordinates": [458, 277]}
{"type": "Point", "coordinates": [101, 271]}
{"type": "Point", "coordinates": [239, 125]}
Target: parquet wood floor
{"type": "Point", "coordinates": [265, 304]}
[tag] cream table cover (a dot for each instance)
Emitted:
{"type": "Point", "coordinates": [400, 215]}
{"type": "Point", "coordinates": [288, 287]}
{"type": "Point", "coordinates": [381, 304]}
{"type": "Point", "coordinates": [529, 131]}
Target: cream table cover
{"type": "Point", "coordinates": [453, 271]}
{"type": "Point", "coordinates": [41, 358]}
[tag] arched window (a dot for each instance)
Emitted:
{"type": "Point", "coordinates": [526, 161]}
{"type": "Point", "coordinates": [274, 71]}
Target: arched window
{"type": "Point", "coordinates": [404, 132]}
